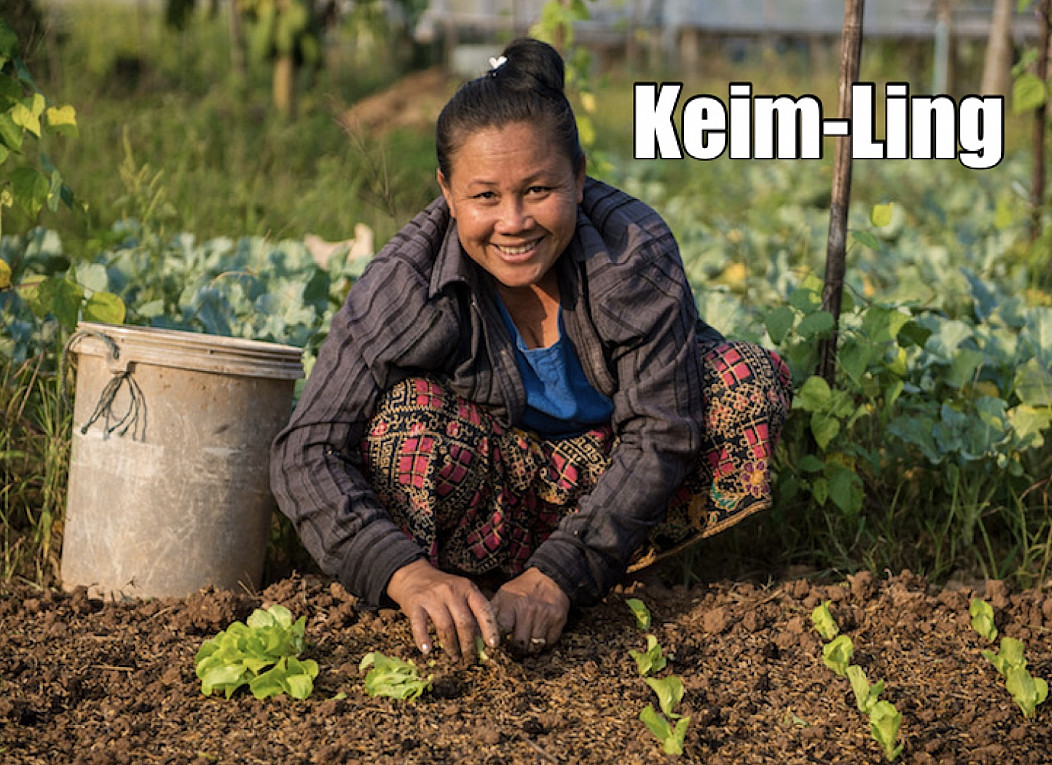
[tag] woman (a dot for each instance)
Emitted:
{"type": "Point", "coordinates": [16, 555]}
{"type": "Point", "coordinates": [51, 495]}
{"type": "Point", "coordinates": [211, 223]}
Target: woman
{"type": "Point", "coordinates": [519, 387]}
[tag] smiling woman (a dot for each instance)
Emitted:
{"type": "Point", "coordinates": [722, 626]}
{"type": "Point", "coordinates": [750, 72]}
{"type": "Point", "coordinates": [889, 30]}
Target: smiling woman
{"type": "Point", "coordinates": [519, 393]}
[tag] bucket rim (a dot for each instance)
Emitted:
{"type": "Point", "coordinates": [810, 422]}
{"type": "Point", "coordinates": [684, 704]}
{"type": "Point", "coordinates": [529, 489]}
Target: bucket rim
{"type": "Point", "coordinates": [191, 350]}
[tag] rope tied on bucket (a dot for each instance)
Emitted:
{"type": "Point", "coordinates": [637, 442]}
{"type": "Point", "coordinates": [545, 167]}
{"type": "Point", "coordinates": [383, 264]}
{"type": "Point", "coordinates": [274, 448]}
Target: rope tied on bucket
{"type": "Point", "coordinates": [104, 406]}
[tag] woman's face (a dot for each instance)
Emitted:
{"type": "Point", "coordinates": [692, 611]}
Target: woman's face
{"type": "Point", "coordinates": [514, 196]}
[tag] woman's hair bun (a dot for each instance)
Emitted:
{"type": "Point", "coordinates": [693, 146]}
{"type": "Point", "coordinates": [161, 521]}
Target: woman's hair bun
{"type": "Point", "coordinates": [532, 63]}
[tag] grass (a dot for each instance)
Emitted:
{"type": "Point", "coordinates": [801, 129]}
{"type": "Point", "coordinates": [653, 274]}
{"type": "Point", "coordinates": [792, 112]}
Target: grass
{"type": "Point", "coordinates": [169, 132]}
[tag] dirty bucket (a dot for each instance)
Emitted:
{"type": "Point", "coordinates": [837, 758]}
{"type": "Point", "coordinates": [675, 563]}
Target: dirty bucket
{"type": "Point", "coordinates": [168, 481]}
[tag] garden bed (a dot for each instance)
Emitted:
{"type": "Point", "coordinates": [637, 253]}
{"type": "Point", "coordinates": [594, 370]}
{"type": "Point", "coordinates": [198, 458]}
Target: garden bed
{"type": "Point", "coordinates": [86, 681]}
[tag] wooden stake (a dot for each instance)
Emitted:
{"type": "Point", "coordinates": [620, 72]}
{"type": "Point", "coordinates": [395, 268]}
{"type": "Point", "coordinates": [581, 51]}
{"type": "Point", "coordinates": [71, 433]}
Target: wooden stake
{"type": "Point", "coordinates": [850, 53]}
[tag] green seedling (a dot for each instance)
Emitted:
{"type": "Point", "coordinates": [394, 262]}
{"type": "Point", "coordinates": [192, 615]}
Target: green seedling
{"type": "Point", "coordinates": [1027, 691]}
{"type": "Point", "coordinates": [837, 653]}
{"type": "Point", "coordinates": [1009, 657]}
{"type": "Point", "coordinates": [393, 677]}
{"type": "Point", "coordinates": [866, 695]}
{"type": "Point", "coordinates": [884, 722]}
{"type": "Point", "coordinates": [651, 660]}
{"type": "Point", "coordinates": [261, 654]}
{"type": "Point", "coordinates": [671, 736]}
{"type": "Point", "coordinates": [824, 622]}
{"type": "Point", "coordinates": [669, 691]}
{"type": "Point", "coordinates": [640, 611]}
{"type": "Point", "coordinates": [983, 619]}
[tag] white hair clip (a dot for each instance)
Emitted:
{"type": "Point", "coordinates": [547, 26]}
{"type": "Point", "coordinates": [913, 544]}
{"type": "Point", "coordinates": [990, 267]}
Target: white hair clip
{"type": "Point", "coordinates": [497, 63]}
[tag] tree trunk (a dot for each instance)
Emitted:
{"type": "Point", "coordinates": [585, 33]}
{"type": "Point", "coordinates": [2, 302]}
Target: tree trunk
{"type": "Point", "coordinates": [237, 42]}
{"type": "Point", "coordinates": [1037, 180]}
{"type": "Point", "coordinates": [836, 250]}
{"type": "Point", "coordinates": [998, 67]}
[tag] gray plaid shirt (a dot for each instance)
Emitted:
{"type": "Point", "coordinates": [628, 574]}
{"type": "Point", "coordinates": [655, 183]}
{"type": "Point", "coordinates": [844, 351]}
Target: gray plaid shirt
{"type": "Point", "coordinates": [422, 306]}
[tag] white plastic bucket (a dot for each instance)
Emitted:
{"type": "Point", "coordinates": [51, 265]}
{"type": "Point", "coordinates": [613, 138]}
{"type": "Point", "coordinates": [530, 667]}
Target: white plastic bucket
{"type": "Point", "coordinates": [168, 482]}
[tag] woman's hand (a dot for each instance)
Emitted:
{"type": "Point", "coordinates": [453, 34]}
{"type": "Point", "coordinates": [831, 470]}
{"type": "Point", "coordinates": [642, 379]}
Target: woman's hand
{"type": "Point", "coordinates": [533, 609]}
{"type": "Point", "coordinates": [452, 603]}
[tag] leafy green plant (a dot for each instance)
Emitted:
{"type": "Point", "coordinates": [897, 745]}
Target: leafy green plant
{"type": "Point", "coordinates": [884, 723]}
{"type": "Point", "coordinates": [823, 621]}
{"type": "Point", "coordinates": [837, 653]}
{"type": "Point", "coordinates": [393, 677]}
{"type": "Point", "coordinates": [669, 689]}
{"type": "Point", "coordinates": [982, 619]}
{"type": "Point", "coordinates": [866, 695]}
{"type": "Point", "coordinates": [260, 653]}
{"type": "Point", "coordinates": [1027, 691]}
{"type": "Point", "coordinates": [670, 735]}
{"type": "Point", "coordinates": [884, 718]}
{"type": "Point", "coordinates": [640, 611]}
{"type": "Point", "coordinates": [652, 659]}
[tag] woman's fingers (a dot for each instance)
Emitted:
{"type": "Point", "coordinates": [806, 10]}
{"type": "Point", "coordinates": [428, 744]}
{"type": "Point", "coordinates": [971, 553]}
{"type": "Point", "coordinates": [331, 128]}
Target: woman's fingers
{"type": "Point", "coordinates": [453, 605]}
{"type": "Point", "coordinates": [533, 609]}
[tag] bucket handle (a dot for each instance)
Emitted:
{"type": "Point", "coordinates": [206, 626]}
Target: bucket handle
{"type": "Point", "coordinates": [121, 370]}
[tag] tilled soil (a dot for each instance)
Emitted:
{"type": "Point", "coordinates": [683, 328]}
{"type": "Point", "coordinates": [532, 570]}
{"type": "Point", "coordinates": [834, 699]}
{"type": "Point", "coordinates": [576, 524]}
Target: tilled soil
{"type": "Point", "coordinates": [86, 681]}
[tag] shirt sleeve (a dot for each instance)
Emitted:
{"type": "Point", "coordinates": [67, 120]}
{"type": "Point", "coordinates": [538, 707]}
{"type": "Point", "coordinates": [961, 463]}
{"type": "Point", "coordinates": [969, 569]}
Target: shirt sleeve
{"type": "Point", "coordinates": [387, 325]}
{"type": "Point", "coordinates": [646, 314]}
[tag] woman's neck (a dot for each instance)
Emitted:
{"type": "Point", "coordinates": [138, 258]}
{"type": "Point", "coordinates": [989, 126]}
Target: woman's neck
{"type": "Point", "coordinates": [535, 310]}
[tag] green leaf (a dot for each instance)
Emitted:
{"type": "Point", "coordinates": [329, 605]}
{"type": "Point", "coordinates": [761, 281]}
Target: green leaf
{"type": "Point", "coordinates": [866, 239]}
{"type": "Point", "coordinates": [1024, 690]}
{"type": "Point", "coordinates": [815, 324]}
{"type": "Point", "coordinates": [846, 490]}
{"type": "Point", "coordinates": [805, 300]}
{"type": "Point", "coordinates": [650, 660]}
{"type": "Point", "coordinates": [814, 395]}
{"type": "Point", "coordinates": [823, 621]}
{"type": "Point", "coordinates": [881, 214]}
{"type": "Point", "coordinates": [392, 677]}
{"type": "Point", "coordinates": [62, 119]}
{"type": "Point", "coordinates": [640, 611]}
{"type": "Point", "coordinates": [30, 188]}
{"type": "Point", "coordinates": [5, 275]}
{"type": "Point", "coordinates": [8, 40]}
{"type": "Point", "coordinates": [11, 135]}
{"type": "Point", "coordinates": [824, 428]}
{"type": "Point", "coordinates": [884, 722]}
{"type": "Point", "coordinates": [837, 653]}
{"type": "Point", "coordinates": [1028, 93]}
{"type": "Point", "coordinates": [866, 695]}
{"type": "Point", "coordinates": [982, 619]}
{"type": "Point", "coordinates": [59, 297]}
{"type": "Point", "coordinates": [669, 691]}
{"type": "Point", "coordinates": [104, 307]}
{"type": "Point", "coordinates": [1033, 383]}
{"type": "Point", "coordinates": [671, 738]}
{"type": "Point", "coordinates": [778, 322]}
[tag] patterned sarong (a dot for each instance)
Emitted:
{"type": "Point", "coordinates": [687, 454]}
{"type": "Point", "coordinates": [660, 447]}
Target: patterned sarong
{"type": "Point", "coordinates": [480, 497]}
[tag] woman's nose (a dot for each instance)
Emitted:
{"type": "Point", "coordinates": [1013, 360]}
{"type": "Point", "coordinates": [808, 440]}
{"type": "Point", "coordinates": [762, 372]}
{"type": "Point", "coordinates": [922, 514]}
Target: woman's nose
{"type": "Point", "coordinates": [513, 216]}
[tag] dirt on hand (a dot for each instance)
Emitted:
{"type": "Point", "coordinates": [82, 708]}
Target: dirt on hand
{"type": "Point", "coordinates": [87, 681]}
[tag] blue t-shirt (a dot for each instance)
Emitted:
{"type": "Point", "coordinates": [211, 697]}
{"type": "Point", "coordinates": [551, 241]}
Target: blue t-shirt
{"type": "Point", "coordinates": [560, 402]}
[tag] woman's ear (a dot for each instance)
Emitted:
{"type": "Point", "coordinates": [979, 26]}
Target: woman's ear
{"type": "Point", "coordinates": [579, 178]}
{"type": "Point", "coordinates": [447, 192]}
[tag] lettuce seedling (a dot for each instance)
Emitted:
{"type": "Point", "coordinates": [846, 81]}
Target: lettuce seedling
{"type": "Point", "coordinates": [650, 660]}
{"type": "Point", "coordinates": [884, 722]}
{"type": "Point", "coordinates": [669, 691]}
{"type": "Point", "coordinates": [671, 736]}
{"type": "Point", "coordinates": [640, 611]}
{"type": "Point", "coordinates": [824, 622]}
{"type": "Point", "coordinates": [260, 654]}
{"type": "Point", "coordinates": [1027, 691]}
{"type": "Point", "coordinates": [983, 619]}
{"type": "Point", "coordinates": [837, 653]}
{"type": "Point", "coordinates": [393, 677]}
{"type": "Point", "coordinates": [866, 695]}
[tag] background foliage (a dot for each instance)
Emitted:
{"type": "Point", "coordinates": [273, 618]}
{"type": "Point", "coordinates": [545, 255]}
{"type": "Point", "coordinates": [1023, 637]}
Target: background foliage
{"type": "Point", "coordinates": [194, 202]}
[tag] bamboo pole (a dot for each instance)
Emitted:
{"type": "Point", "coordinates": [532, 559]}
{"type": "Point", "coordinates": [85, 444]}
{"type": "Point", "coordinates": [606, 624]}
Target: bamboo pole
{"type": "Point", "coordinates": [832, 292]}
{"type": "Point", "coordinates": [1037, 178]}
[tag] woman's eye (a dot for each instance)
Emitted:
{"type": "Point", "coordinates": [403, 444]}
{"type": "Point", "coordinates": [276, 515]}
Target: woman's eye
{"type": "Point", "coordinates": [485, 195]}
{"type": "Point", "coordinates": [538, 189]}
